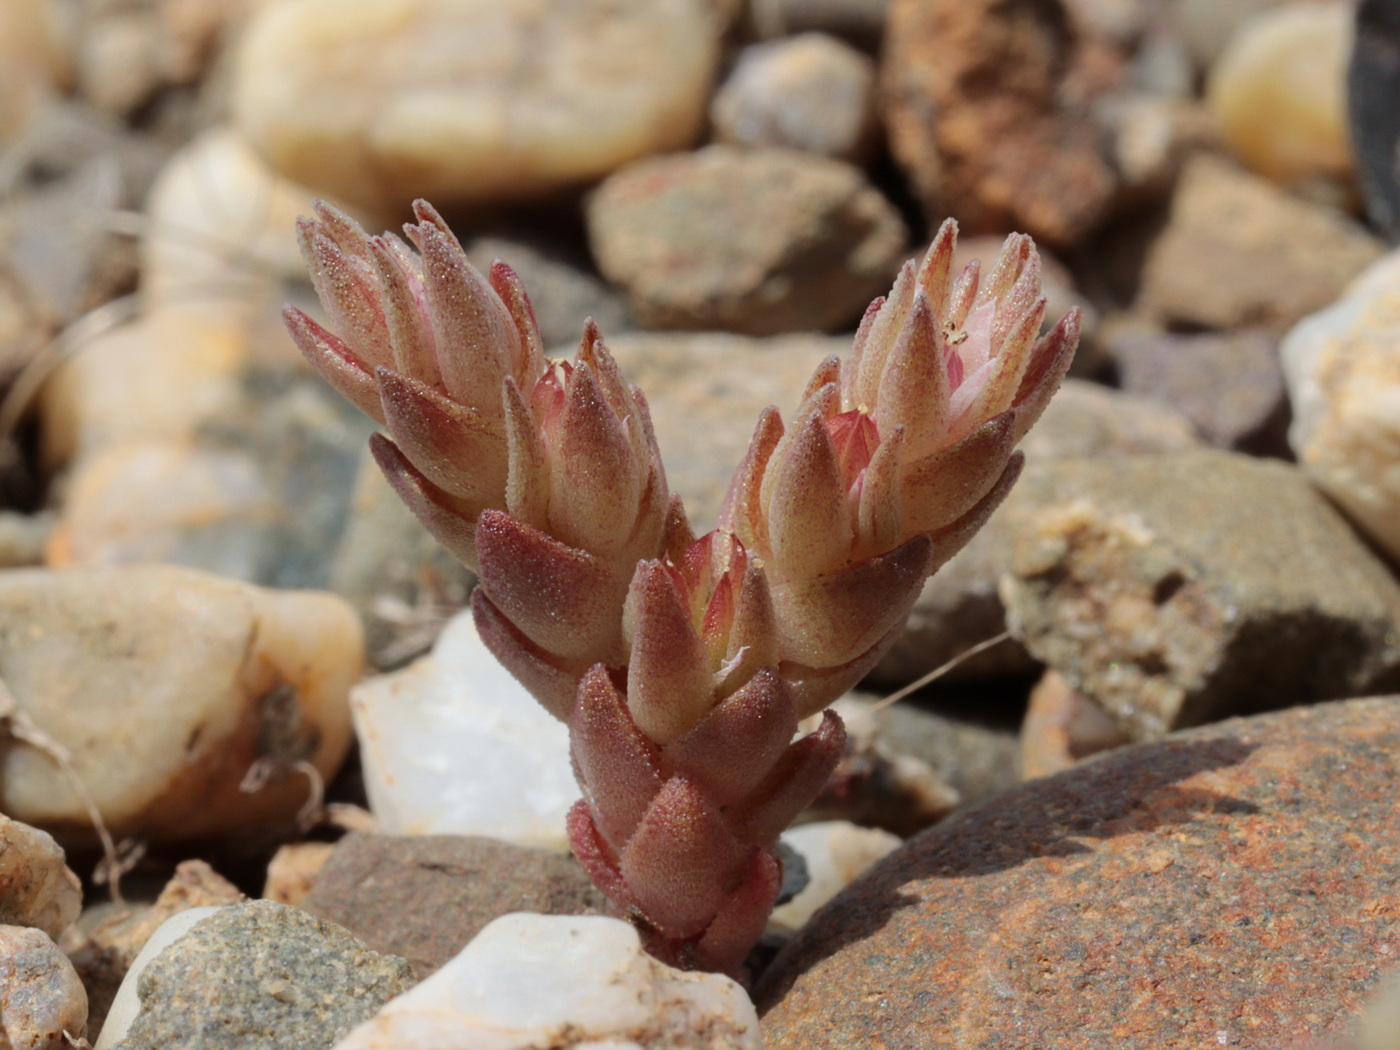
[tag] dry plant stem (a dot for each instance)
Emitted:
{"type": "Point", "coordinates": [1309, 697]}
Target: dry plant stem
{"type": "Point", "coordinates": [683, 665]}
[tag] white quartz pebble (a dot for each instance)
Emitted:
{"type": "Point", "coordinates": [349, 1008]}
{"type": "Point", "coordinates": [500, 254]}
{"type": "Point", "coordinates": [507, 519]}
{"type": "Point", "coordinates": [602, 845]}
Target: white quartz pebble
{"type": "Point", "coordinates": [565, 982]}
{"type": "Point", "coordinates": [453, 745]}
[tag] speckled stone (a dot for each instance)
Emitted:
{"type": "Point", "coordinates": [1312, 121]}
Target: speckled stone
{"type": "Point", "coordinates": [1180, 589]}
{"type": "Point", "coordinates": [424, 897]}
{"type": "Point", "coordinates": [261, 974]}
{"type": "Point", "coordinates": [1230, 886]}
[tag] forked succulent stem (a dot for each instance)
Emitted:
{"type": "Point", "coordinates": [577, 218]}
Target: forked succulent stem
{"type": "Point", "coordinates": [683, 666]}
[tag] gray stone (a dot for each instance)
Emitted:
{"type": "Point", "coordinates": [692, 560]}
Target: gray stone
{"type": "Point", "coordinates": [1175, 590]}
{"type": "Point", "coordinates": [810, 93]}
{"type": "Point", "coordinates": [753, 241]}
{"type": "Point", "coordinates": [959, 605]}
{"type": "Point", "coordinates": [261, 974]}
{"type": "Point", "coordinates": [423, 897]}
{"type": "Point", "coordinates": [1229, 385]}
{"type": "Point", "coordinates": [1240, 252]}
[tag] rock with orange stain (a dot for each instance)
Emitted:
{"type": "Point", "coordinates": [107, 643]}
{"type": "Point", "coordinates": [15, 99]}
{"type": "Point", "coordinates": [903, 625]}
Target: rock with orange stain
{"type": "Point", "coordinates": [1229, 886]}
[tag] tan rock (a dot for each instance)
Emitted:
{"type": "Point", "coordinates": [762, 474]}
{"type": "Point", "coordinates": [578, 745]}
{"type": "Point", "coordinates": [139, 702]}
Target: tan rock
{"type": "Point", "coordinates": [378, 101]}
{"type": "Point", "coordinates": [1238, 251]}
{"type": "Point", "coordinates": [143, 501]}
{"type": "Point", "coordinates": [167, 686]}
{"type": "Point", "coordinates": [1279, 92]}
{"type": "Point", "coordinates": [292, 871]}
{"type": "Point", "coordinates": [990, 110]}
{"type": "Point", "coordinates": [36, 887]}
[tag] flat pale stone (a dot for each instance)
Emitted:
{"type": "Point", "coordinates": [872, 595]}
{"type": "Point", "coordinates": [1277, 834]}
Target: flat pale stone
{"type": "Point", "coordinates": [453, 745]}
{"type": "Point", "coordinates": [1278, 92]}
{"type": "Point", "coordinates": [529, 981]}
{"type": "Point", "coordinates": [1343, 376]}
{"type": "Point", "coordinates": [377, 101]}
{"type": "Point", "coordinates": [166, 685]}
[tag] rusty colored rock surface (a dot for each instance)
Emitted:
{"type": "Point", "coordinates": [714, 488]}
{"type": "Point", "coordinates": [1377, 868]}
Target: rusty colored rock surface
{"type": "Point", "coordinates": [1229, 886]}
{"type": "Point", "coordinates": [989, 105]}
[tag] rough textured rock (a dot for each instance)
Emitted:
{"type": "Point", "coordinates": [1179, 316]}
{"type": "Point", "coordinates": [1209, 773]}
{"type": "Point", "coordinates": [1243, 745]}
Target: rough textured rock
{"type": "Point", "coordinates": [1230, 886]}
{"type": "Point", "coordinates": [990, 110]}
{"type": "Point", "coordinates": [959, 605]}
{"type": "Point", "coordinates": [36, 887]}
{"type": "Point", "coordinates": [377, 102]}
{"type": "Point", "coordinates": [1278, 92]}
{"type": "Point", "coordinates": [423, 898]}
{"type": "Point", "coordinates": [166, 686]}
{"type": "Point", "coordinates": [41, 997]}
{"type": "Point", "coordinates": [261, 974]}
{"type": "Point", "coordinates": [454, 745]}
{"type": "Point", "coordinates": [1344, 380]}
{"type": "Point", "coordinates": [1230, 385]}
{"type": "Point", "coordinates": [106, 953]}
{"type": "Point", "coordinates": [1238, 252]}
{"type": "Point", "coordinates": [532, 981]}
{"type": "Point", "coordinates": [1063, 726]}
{"type": "Point", "coordinates": [752, 241]}
{"type": "Point", "coordinates": [809, 92]}
{"type": "Point", "coordinates": [1174, 590]}
{"type": "Point", "coordinates": [706, 391]}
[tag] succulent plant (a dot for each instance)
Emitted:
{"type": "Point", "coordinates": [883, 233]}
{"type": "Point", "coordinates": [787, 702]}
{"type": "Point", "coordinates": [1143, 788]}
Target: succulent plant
{"type": "Point", "coordinates": [682, 665]}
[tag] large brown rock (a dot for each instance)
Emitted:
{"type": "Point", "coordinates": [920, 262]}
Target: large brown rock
{"type": "Point", "coordinates": [989, 105]}
{"type": "Point", "coordinates": [1230, 886]}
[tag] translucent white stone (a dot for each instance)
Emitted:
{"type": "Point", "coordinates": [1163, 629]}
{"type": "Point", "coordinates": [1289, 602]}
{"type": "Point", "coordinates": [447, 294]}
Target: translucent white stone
{"type": "Point", "coordinates": [566, 982]}
{"type": "Point", "coordinates": [453, 745]}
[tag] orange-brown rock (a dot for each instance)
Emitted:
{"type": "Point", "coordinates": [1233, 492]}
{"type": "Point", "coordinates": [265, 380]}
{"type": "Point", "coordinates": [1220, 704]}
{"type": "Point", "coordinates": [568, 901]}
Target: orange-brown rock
{"type": "Point", "coordinates": [1228, 886]}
